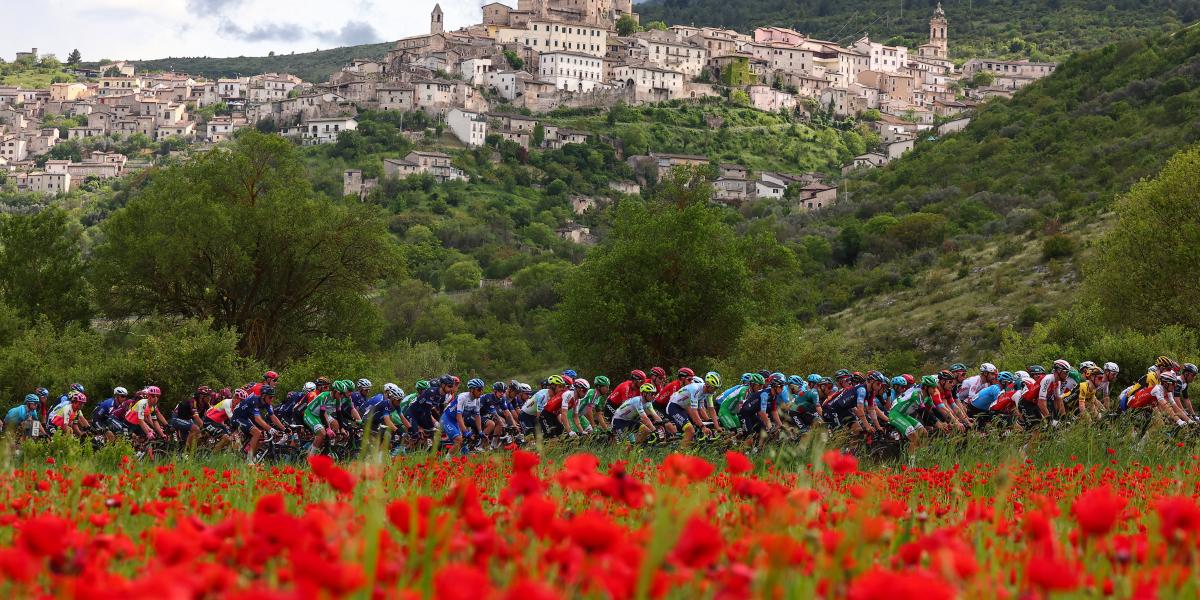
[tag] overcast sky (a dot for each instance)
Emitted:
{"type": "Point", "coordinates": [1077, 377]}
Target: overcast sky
{"type": "Point", "coordinates": [135, 29]}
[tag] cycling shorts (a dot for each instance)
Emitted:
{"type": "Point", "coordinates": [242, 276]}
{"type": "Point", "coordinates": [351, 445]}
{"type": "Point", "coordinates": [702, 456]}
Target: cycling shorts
{"type": "Point", "coordinates": [214, 428]}
{"type": "Point", "coordinates": [313, 422]}
{"type": "Point", "coordinates": [678, 415]}
{"type": "Point", "coordinates": [181, 425]}
{"type": "Point", "coordinates": [620, 425]}
{"type": "Point", "coordinates": [450, 429]}
{"type": "Point", "coordinates": [905, 424]}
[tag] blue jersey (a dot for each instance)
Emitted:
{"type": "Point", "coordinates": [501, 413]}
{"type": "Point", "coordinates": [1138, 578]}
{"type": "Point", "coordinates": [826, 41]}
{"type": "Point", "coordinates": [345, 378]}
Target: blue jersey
{"type": "Point", "coordinates": [986, 397]}
{"type": "Point", "coordinates": [19, 413]}
{"type": "Point", "coordinates": [757, 401]}
{"type": "Point", "coordinates": [377, 409]}
{"type": "Point", "coordinates": [360, 400]}
{"type": "Point", "coordinates": [851, 397]}
{"type": "Point", "coordinates": [251, 407]}
{"type": "Point", "coordinates": [489, 403]}
{"type": "Point", "coordinates": [103, 410]}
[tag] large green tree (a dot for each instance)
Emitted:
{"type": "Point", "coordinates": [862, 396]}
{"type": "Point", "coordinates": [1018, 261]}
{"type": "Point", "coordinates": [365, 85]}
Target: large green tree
{"type": "Point", "coordinates": [670, 285]}
{"type": "Point", "coordinates": [41, 273]}
{"type": "Point", "coordinates": [1142, 277]}
{"type": "Point", "coordinates": [237, 237]}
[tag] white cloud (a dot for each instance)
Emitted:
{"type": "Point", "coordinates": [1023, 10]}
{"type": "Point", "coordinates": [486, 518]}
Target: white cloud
{"type": "Point", "coordinates": [137, 29]}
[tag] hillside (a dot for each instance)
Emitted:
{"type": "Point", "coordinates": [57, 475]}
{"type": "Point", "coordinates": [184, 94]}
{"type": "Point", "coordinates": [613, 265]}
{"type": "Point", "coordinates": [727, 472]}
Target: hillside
{"type": "Point", "coordinates": [309, 66]}
{"type": "Point", "coordinates": [1019, 199]}
{"type": "Point", "coordinates": [1038, 29]}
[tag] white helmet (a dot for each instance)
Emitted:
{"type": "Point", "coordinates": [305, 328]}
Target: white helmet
{"type": "Point", "coordinates": [1022, 375]}
{"type": "Point", "coordinates": [1112, 367]}
{"type": "Point", "coordinates": [1087, 364]}
{"type": "Point", "coordinates": [310, 387]}
{"type": "Point", "coordinates": [582, 383]}
{"type": "Point", "coordinates": [987, 368]}
{"type": "Point", "coordinates": [120, 391]}
{"type": "Point", "coordinates": [698, 379]}
{"type": "Point", "coordinates": [392, 390]}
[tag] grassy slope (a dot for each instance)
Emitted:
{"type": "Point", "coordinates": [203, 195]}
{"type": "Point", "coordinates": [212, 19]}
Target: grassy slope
{"type": "Point", "coordinates": [310, 66]}
{"type": "Point", "coordinates": [1056, 28]}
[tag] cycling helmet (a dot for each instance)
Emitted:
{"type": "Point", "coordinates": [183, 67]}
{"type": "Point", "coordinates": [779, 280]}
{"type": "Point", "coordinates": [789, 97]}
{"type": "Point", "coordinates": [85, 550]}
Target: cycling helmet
{"type": "Point", "coordinates": [1163, 362]}
{"type": "Point", "coordinates": [909, 378]}
{"type": "Point", "coordinates": [582, 384]}
{"type": "Point", "coordinates": [1037, 370]}
{"type": "Point", "coordinates": [120, 391]}
{"type": "Point", "coordinates": [342, 386]}
{"type": "Point", "coordinates": [446, 380]}
{"type": "Point", "coordinates": [899, 380]}
{"type": "Point", "coordinates": [392, 391]}
{"type": "Point", "coordinates": [600, 381]}
{"type": "Point", "coordinates": [945, 375]}
{"type": "Point", "coordinates": [757, 379]}
{"type": "Point", "coordinates": [1021, 375]}
{"type": "Point", "coordinates": [499, 387]}
{"type": "Point", "coordinates": [1005, 377]}
{"type": "Point", "coordinates": [648, 388]}
{"type": "Point", "coordinates": [555, 380]}
{"type": "Point", "coordinates": [1112, 367]}
{"type": "Point", "coordinates": [78, 397]}
{"type": "Point", "coordinates": [363, 384]}
{"type": "Point", "coordinates": [814, 378]}
{"type": "Point", "coordinates": [266, 390]}
{"type": "Point", "coordinates": [32, 399]}
{"type": "Point", "coordinates": [1087, 364]}
{"type": "Point", "coordinates": [475, 384]}
{"type": "Point", "coordinates": [1090, 372]}
{"type": "Point", "coordinates": [513, 383]}
{"type": "Point", "coordinates": [765, 373]}
{"type": "Point", "coordinates": [686, 372]}
{"type": "Point", "coordinates": [929, 381]}
{"type": "Point", "coordinates": [857, 378]}
{"type": "Point", "coordinates": [151, 390]}
{"type": "Point", "coordinates": [78, 387]}
{"type": "Point", "coordinates": [987, 368]}
{"type": "Point", "coordinates": [544, 383]}
{"type": "Point", "coordinates": [270, 375]}
{"type": "Point", "coordinates": [1190, 368]}
{"type": "Point", "coordinates": [203, 390]}
{"type": "Point", "coordinates": [958, 368]}
{"type": "Point", "coordinates": [712, 378]}
{"type": "Point", "coordinates": [747, 378]}
{"type": "Point", "coordinates": [877, 376]}
{"type": "Point", "coordinates": [637, 375]}
{"type": "Point", "coordinates": [310, 387]}
{"type": "Point", "coordinates": [826, 381]}
{"type": "Point", "coordinates": [523, 388]}
{"type": "Point", "coordinates": [658, 372]}
{"type": "Point", "coordinates": [455, 380]}
{"type": "Point", "coordinates": [841, 373]}
{"type": "Point", "coordinates": [1028, 381]}
{"type": "Point", "coordinates": [796, 380]}
{"type": "Point", "coordinates": [240, 394]}
{"type": "Point", "coordinates": [1062, 365]}
{"type": "Point", "coordinates": [324, 381]}
{"type": "Point", "coordinates": [776, 378]}
{"type": "Point", "coordinates": [42, 392]}
{"type": "Point", "coordinates": [1168, 377]}
{"type": "Point", "coordinates": [571, 373]}
{"type": "Point", "coordinates": [422, 385]}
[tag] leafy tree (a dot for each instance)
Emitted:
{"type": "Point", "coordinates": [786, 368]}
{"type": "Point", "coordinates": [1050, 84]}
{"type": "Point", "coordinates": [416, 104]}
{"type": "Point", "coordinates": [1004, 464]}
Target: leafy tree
{"type": "Point", "coordinates": [739, 97]}
{"type": "Point", "coordinates": [74, 58]}
{"type": "Point", "coordinates": [668, 286]}
{"type": "Point", "coordinates": [41, 272]}
{"type": "Point", "coordinates": [462, 275]}
{"type": "Point", "coordinates": [627, 25]}
{"type": "Point", "coordinates": [1141, 275]}
{"type": "Point", "coordinates": [538, 136]}
{"type": "Point", "coordinates": [656, 26]}
{"type": "Point", "coordinates": [514, 61]}
{"type": "Point", "coordinates": [238, 237]}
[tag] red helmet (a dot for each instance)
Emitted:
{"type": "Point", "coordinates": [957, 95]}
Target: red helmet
{"type": "Point", "coordinates": [909, 378]}
{"type": "Point", "coordinates": [686, 372]}
{"type": "Point", "coordinates": [658, 372]}
{"type": "Point", "coordinates": [240, 394]}
{"type": "Point", "coordinates": [270, 375]}
{"type": "Point", "coordinates": [637, 375]}
{"type": "Point", "coordinates": [152, 390]}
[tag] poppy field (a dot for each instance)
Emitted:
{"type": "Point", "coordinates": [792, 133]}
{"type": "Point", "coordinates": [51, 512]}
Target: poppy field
{"type": "Point", "coordinates": [516, 525]}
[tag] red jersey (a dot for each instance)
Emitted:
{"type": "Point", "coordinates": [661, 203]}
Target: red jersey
{"type": "Point", "coordinates": [554, 404]}
{"type": "Point", "coordinates": [665, 393]}
{"type": "Point", "coordinates": [626, 390]}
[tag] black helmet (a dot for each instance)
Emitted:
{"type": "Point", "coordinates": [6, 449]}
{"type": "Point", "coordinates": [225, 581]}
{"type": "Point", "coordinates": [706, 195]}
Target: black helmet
{"type": "Point", "coordinates": [499, 387]}
{"type": "Point", "coordinates": [266, 391]}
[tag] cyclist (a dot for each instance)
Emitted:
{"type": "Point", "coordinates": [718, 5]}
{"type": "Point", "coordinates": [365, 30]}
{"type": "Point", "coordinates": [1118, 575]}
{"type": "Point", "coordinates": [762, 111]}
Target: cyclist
{"type": "Point", "coordinates": [321, 414]}
{"type": "Point", "coordinates": [490, 406]}
{"type": "Point", "coordinates": [951, 415]}
{"type": "Point", "coordinates": [269, 378]}
{"type": "Point", "coordinates": [102, 415]}
{"type": "Point", "coordinates": [382, 412]}
{"type": "Point", "coordinates": [1186, 376]}
{"type": "Point", "coordinates": [218, 418]}
{"type": "Point", "coordinates": [24, 418]}
{"type": "Point", "coordinates": [688, 406]}
{"type": "Point", "coordinates": [185, 417]}
{"type": "Point", "coordinates": [251, 418]}
{"type": "Point", "coordinates": [627, 389]}
{"type": "Point", "coordinates": [841, 379]}
{"type": "Point", "coordinates": [293, 404]}
{"type": "Point", "coordinates": [980, 407]}
{"type": "Point", "coordinates": [658, 376]}
{"type": "Point", "coordinates": [143, 417]}
{"type": "Point", "coordinates": [1084, 400]}
{"type": "Point", "coordinates": [68, 416]}
{"type": "Point", "coordinates": [571, 414]}
{"type": "Point", "coordinates": [909, 400]}
{"type": "Point", "coordinates": [362, 395]}
{"type": "Point", "coordinates": [1052, 388]}
{"type": "Point", "coordinates": [1161, 396]}
{"type": "Point", "coordinates": [755, 413]}
{"type": "Point", "coordinates": [959, 371]}
{"type": "Point", "coordinates": [729, 403]}
{"type": "Point", "coordinates": [971, 386]}
{"type": "Point", "coordinates": [682, 377]}
{"type": "Point", "coordinates": [458, 413]}
{"type": "Point", "coordinates": [632, 414]}
{"type": "Point", "coordinates": [592, 404]}
{"type": "Point", "coordinates": [548, 415]}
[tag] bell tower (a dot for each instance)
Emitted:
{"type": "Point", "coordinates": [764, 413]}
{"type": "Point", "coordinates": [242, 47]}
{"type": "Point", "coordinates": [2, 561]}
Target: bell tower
{"type": "Point", "coordinates": [435, 20]}
{"type": "Point", "coordinates": [939, 32]}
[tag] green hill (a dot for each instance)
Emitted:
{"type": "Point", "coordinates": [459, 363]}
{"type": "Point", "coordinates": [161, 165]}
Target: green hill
{"type": "Point", "coordinates": [309, 66]}
{"type": "Point", "coordinates": [1020, 28]}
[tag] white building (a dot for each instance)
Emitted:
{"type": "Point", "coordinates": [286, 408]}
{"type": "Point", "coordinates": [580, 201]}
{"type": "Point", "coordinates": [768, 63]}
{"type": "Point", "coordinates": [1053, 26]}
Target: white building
{"type": "Point", "coordinates": [469, 127]}
{"type": "Point", "coordinates": [321, 131]}
{"type": "Point", "coordinates": [572, 71]}
{"type": "Point", "coordinates": [549, 36]}
{"type": "Point", "coordinates": [650, 82]}
{"type": "Point", "coordinates": [889, 59]}
{"type": "Point", "coordinates": [668, 50]}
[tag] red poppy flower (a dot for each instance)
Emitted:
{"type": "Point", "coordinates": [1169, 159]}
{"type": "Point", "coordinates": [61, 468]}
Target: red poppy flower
{"type": "Point", "coordinates": [687, 468]}
{"type": "Point", "coordinates": [1097, 510]}
{"type": "Point", "coordinates": [840, 464]}
{"type": "Point", "coordinates": [736, 462]}
{"type": "Point", "coordinates": [1179, 518]}
{"type": "Point", "coordinates": [335, 476]}
{"type": "Point", "coordinates": [879, 584]}
{"type": "Point", "coordinates": [1050, 574]}
{"type": "Point", "coordinates": [457, 581]}
{"type": "Point", "coordinates": [699, 545]}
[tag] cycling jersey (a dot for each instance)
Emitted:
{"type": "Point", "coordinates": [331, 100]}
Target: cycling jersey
{"type": "Point", "coordinates": [624, 391]}
{"type": "Point", "coordinates": [1050, 388]}
{"type": "Point", "coordinates": [19, 414]}
{"type": "Point", "coordinates": [984, 398]}
{"type": "Point", "coordinates": [851, 397]}
{"type": "Point", "coordinates": [730, 402]}
{"type": "Point", "coordinates": [468, 406]}
{"type": "Point", "coordinates": [489, 403]}
{"type": "Point", "coordinates": [62, 415]}
{"type": "Point", "coordinates": [554, 405]}
{"type": "Point", "coordinates": [693, 395]}
{"type": "Point", "coordinates": [591, 398]}
{"type": "Point", "coordinates": [630, 410]}
{"type": "Point", "coordinates": [664, 394]}
{"type": "Point", "coordinates": [184, 410]}
{"type": "Point", "coordinates": [139, 412]}
{"type": "Point", "coordinates": [969, 387]}
{"type": "Point", "coordinates": [1148, 397]}
{"type": "Point", "coordinates": [221, 411]}
{"type": "Point", "coordinates": [376, 410]}
{"type": "Point", "coordinates": [251, 407]}
{"type": "Point", "coordinates": [902, 416]}
{"type": "Point", "coordinates": [536, 403]}
{"type": "Point", "coordinates": [736, 392]}
{"type": "Point", "coordinates": [807, 402]}
{"type": "Point", "coordinates": [360, 400]}
{"type": "Point", "coordinates": [103, 410]}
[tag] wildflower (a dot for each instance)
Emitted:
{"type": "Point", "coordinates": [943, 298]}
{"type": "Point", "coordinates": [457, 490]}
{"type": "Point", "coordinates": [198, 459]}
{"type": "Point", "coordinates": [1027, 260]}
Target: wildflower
{"type": "Point", "coordinates": [1097, 510]}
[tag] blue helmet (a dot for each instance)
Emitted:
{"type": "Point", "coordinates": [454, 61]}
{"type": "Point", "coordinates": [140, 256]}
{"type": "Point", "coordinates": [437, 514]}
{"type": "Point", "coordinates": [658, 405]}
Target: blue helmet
{"type": "Point", "coordinates": [898, 380]}
{"type": "Point", "coordinates": [475, 384]}
{"type": "Point", "coordinates": [78, 387]}
{"type": "Point", "coordinates": [498, 387]}
{"type": "Point", "coordinates": [814, 379]}
{"type": "Point", "coordinates": [1005, 377]}
{"type": "Point", "coordinates": [32, 399]}
{"type": "Point", "coordinates": [746, 377]}
{"type": "Point", "coordinates": [570, 373]}
{"type": "Point", "coordinates": [796, 380]}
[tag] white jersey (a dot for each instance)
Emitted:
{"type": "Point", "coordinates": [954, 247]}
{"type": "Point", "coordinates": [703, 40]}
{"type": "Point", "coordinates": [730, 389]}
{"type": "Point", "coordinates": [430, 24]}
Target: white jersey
{"type": "Point", "coordinates": [630, 410]}
{"type": "Point", "coordinates": [692, 394]}
{"type": "Point", "coordinates": [568, 399]}
{"type": "Point", "coordinates": [969, 388]}
{"type": "Point", "coordinates": [536, 402]}
{"type": "Point", "coordinates": [1051, 388]}
{"type": "Point", "coordinates": [467, 405]}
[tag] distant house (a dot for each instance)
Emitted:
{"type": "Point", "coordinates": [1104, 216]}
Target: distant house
{"type": "Point", "coordinates": [667, 162]}
{"type": "Point", "coordinates": [954, 126]}
{"type": "Point", "coordinates": [470, 128]}
{"type": "Point", "coordinates": [816, 196]}
{"type": "Point", "coordinates": [869, 160]}
{"type": "Point", "coordinates": [769, 190]}
{"type": "Point", "coordinates": [897, 148]}
{"type": "Point", "coordinates": [436, 164]}
{"type": "Point", "coordinates": [321, 130]}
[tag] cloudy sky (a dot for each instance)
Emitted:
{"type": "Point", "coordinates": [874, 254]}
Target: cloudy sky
{"type": "Point", "coordinates": [133, 29]}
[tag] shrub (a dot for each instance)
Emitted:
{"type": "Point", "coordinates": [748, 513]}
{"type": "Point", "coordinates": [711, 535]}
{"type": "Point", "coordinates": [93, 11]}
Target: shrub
{"type": "Point", "coordinates": [1059, 245]}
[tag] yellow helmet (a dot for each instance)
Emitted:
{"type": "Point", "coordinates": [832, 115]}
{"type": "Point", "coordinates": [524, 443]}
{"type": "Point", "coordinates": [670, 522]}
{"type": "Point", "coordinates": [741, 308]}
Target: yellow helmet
{"type": "Point", "coordinates": [556, 380]}
{"type": "Point", "coordinates": [648, 388]}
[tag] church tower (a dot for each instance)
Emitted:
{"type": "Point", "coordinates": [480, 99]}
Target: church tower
{"type": "Point", "coordinates": [435, 20]}
{"type": "Point", "coordinates": [938, 32]}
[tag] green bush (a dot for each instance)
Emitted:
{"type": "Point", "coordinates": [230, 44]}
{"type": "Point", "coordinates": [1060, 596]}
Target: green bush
{"type": "Point", "coordinates": [1059, 245]}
